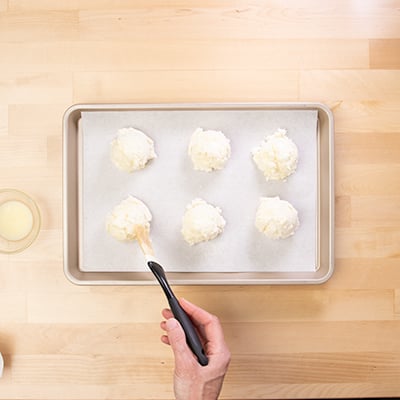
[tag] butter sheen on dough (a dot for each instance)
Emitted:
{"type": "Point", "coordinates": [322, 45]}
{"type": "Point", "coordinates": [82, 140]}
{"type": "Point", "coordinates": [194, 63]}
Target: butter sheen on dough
{"type": "Point", "coordinates": [128, 214]}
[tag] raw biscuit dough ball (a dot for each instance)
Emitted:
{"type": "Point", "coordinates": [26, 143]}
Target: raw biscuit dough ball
{"type": "Point", "coordinates": [276, 157]}
{"type": "Point", "coordinates": [201, 222]}
{"type": "Point", "coordinates": [209, 150]}
{"type": "Point", "coordinates": [276, 218]}
{"type": "Point", "coordinates": [128, 214]}
{"type": "Point", "coordinates": [131, 149]}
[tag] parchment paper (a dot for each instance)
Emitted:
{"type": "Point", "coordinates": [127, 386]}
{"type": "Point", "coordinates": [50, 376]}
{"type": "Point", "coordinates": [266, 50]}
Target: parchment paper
{"type": "Point", "coordinates": [169, 183]}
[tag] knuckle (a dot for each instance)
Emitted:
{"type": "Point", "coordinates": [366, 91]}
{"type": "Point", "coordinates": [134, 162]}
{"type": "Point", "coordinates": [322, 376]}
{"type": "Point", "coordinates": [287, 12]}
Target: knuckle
{"type": "Point", "coordinates": [227, 358]}
{"type": "Point", "coordinates": [214, 319]}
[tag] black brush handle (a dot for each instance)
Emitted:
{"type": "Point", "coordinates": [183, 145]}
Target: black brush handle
{"type": "Point", "coordinates": [192, 338]}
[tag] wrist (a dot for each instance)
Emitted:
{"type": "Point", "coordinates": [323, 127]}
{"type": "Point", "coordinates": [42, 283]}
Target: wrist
{"type": "Point", "coordinates": [209, 390]}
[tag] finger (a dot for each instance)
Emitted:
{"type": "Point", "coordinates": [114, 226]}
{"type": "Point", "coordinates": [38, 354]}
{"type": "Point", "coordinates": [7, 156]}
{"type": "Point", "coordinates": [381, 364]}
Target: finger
{"type": "Point", "coordinates": [177, 340]}
{"type": "Point", "coordinates": [206, 323]}
{"type": "Point", "coordinates": [198, 314]}
{"type": "Point", "coordinates": [162, 325]}
{"type": "Point", "coordinates": [165, 340]}
{"type": "Point", "coordinates": [167, 313]}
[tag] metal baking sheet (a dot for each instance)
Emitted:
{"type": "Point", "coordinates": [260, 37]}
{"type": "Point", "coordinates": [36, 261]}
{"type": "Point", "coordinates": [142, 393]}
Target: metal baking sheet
{"type": "Point", "coordinates": [316, 263]}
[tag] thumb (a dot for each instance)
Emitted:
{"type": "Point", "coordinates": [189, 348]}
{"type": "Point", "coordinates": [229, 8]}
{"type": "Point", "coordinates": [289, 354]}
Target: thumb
{"type": "Point", "coordinates": [177, 340]}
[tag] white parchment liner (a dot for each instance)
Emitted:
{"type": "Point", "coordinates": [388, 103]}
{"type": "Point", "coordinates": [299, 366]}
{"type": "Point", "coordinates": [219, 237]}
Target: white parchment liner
{"type": "Point", "coordinates": [169, 183]}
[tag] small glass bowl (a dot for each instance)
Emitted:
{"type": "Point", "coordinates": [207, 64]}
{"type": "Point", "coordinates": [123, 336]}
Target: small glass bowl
{"type": "Point", "coordinates": [15, 246]}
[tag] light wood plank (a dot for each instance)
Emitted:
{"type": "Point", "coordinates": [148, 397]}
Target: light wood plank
{"type": "Point", "coordinates": [310, 337]}
{"type": "Point", "coordinates": [315, 305]}
{"type": "Point", "coordinates": [30, 88]}
{"type": "Point", "coordinates": [366, 273]}
{"type": "Point", "coordinates": [319, 390]}
{"type": "Point", "coordinates": [253, 337]}
{"type": "Point", "coordinates": [13, 309]}
{"type": "Point", "coordinates": [343, 208]}
{"type": "Point", "coordinates": [386, 216]}
{"type": "Point", "coordinates": [397, 303]}
{"type": "Point", "coordinates": [88, 369]}
{"type": "Point", "coordinates": [23, 152]}
{"type": "Point", "coordinates": [184, 86]}
{"type": "Point", "coordinates": [228, 54]}
{"type": "Point", "coordinates": [48, 243]}
{"type": "Point", "coordinates": [36, 119]}
{"type": "Point", "coordinates": [256, 391]}
{"type": "Point", "coordinates": [54, 150]}
{"type": "Point", "coordinates": [3, 120]}
{"type": "Point", "coordinates": [261, 371]}
{"type": "Point", "coordinates": [377, 148]}
{"type": "Point", "coordinates": [251, 21]}
{"type": "Point", "coordinates": [385, 54]}
{"type": "Point", "coordinates": [367, 240]}
{"type": "Point", "coordinates": [89, 390]}
{"type": "Point", "coordinates": [111, 308]}
{"type": "Point", "coordinates": [27, 5]}
{"type": "Point", "coordinates": [37, 277]}
{"type": "Point", "coordinates": [8, 281]}
{"type": "Point", "coordinates": [366, 116]}
{"type": "Point", "coordinates": [368, 8]}
{"type": "Point", "coordinates": [293, 304]}
{"type": "Point", "coordinates": [305, 368]}
{"type": "Point", "coordinates": [352, 85]}
{"type": "Point", "coordinates": [48, 25]}
{"type": "Point", "coordinates": [367, 179]}
{"type": "Point", "coordinates": [129, 340]}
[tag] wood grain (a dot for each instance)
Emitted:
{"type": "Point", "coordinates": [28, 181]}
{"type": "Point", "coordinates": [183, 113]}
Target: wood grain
{"type": "Point", "coordinates": [385, 53]}
{"type": "Point", "coordinates": [184, 86]}
{"type": "Point", "coordinates": [339, 339]}
{"type": "Point", "coordinates": [3, 120]}
{"type": "Point", "coordinates": [166, 54]}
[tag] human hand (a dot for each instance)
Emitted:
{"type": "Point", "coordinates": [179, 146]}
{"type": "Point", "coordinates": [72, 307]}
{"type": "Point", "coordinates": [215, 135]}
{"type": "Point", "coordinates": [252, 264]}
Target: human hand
{"type": "Point", "coordinates": [191, 380]}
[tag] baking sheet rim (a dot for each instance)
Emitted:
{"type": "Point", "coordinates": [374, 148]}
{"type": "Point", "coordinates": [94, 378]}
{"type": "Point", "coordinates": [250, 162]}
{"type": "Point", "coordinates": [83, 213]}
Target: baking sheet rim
{"type": "Point", "coordinates": [193, 106]}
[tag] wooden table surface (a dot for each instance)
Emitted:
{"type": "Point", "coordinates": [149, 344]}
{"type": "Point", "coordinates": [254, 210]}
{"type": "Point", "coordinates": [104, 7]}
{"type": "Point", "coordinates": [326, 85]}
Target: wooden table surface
{"type": "Point", "coordinates": [339, 339]}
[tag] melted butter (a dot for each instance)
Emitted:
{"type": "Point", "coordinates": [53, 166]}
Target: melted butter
{"type": "Point", "coordinates": [16, 220]}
